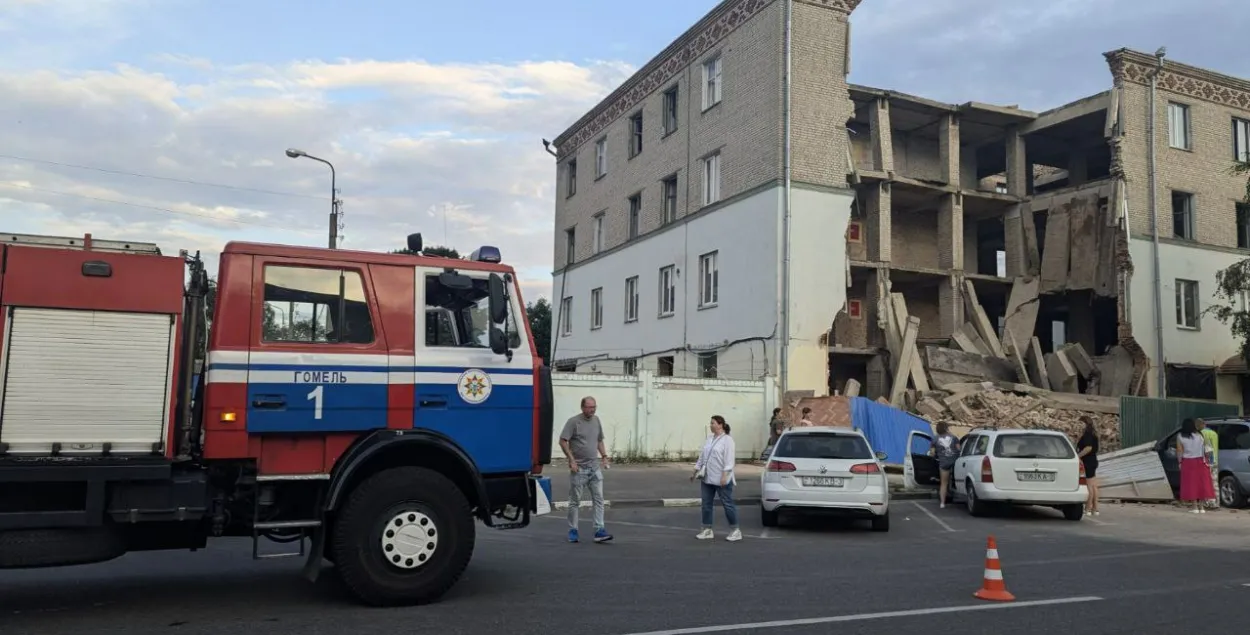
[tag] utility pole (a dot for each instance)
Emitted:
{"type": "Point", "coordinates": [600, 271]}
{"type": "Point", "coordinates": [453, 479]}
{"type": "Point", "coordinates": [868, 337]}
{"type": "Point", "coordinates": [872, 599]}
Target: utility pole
{"type": "Point", "coordinates": [334, 193]}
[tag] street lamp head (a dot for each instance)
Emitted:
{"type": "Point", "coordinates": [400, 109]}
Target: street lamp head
{"type": "Point", "coordinates": [295, 154]}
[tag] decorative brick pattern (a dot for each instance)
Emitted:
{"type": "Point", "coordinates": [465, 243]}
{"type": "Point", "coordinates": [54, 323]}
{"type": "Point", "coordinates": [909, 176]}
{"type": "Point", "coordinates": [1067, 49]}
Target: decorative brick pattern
{"type": "Point", "coordinates": [1208, 89]}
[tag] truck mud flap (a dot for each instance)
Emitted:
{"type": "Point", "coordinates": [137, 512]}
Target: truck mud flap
{"type": "Point", "coordinates": [542, 495]}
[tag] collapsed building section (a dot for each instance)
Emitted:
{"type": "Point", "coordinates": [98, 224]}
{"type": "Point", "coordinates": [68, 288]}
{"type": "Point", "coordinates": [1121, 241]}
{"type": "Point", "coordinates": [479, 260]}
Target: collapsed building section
{"type": "Point", "coordinates": [987, 243]}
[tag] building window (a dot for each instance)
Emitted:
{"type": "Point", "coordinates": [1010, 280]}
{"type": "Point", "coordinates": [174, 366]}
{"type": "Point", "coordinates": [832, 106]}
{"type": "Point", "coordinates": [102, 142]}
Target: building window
{"type": "Point", "coordinates": [570, 245]}
{"type": "Point", "coordinates": [571, 178]}
{"type": "Point", "coordinates": [597, 246]}
{"type": "Point", "coordinates": [670, 111]}
{"type": "Point", "coordinates": [635, 135]}
{"type": "Point", "coordinates": [855, 309]}
{"type": "Point", "coordinates": [1241, 140]}
{"type": "Point", "coordinates": [631, 367]}
{"type": "Point", "coordinates": [631, 299]}
{"type": "Point", "coordinates": [711, 82]}
{"type": "Point", "coordinates": [305, 304]}
{"type": "Point", "coordinates": [1186, 304]}
{"type": "Point", "coordinates": [1178, 127]}
{"type": "Point", "coordinates": [1183, 215]}
{"type": "Point", "coordinates": [664, 366]}
{"type": "Point", "coordinates": [668, 290]}
{"type": "Point", "coordinates": [670, 199]}
{"type": "Point", "coordinates": [1243, 225]}
{"type": "Point", "coordinates": [601, 157]}
{"type": "Point", "coordinates": [635, 211]}
{"type": "Point", "coordinates": [707, 366]}
{"type": "Point", "coordinates": [596, 308]}
{"type": "Point", "coordinates": [709, 280]}
{"type": "Point", "coordinates": [711, 179]}
{"type": "Point", "coordinates": [566, 317]}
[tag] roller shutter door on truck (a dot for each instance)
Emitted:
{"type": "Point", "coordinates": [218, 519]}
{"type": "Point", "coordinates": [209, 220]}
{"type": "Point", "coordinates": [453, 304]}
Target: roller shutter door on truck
{"type": "Point", "coordinates": [83, 379]}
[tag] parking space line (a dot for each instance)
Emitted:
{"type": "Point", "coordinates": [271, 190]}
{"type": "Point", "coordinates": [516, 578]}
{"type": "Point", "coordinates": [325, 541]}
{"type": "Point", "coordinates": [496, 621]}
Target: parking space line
{"type": "Point", "coordinates": [862, 617]}
{"type": "Point", "coordinates": [934, 517]}
{"type": "Point", "coordinates": [674, 528]}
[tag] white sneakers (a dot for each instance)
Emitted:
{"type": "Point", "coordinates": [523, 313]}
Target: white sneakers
{"type": "Point", "coordinates": [706, 534]}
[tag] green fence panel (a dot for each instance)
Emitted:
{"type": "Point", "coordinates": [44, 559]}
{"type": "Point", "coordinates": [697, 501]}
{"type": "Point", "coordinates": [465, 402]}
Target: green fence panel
{"type": "Point", "coordinates": [1146, 419]}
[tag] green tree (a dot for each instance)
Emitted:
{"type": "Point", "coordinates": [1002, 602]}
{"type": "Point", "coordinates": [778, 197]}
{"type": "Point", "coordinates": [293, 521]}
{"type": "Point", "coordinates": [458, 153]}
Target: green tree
{"type": "Point", "coordinates": [1232, 285]}
{"type": "Point", "coordinates": [539, 314]}
{"type": "Point", "coordinates": [432, 250]}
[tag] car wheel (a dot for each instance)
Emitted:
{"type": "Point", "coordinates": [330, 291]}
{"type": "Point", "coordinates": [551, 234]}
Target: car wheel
{"type": "Point", "coordinates": [1230, 492]}
{"type": "Point", "coordinates": [1073, 512]}
{"type": "Point", "coordinates": [881, 523]}
{"type": "Point", "coordinates": [768, 518]}
{"type": "Point", "coordinates": [975, 506]}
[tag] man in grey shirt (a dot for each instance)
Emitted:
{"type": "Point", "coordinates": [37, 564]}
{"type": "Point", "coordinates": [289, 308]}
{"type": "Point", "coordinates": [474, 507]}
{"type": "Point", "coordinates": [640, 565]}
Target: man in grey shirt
{"type": "Point", "coordinates": [581, 438]}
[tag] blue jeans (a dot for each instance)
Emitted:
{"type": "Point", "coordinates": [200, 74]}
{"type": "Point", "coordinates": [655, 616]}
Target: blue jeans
{"type": "Point", "coordinates": [726, 494]}
{"type": "Point", "coordinates": [589, 477]}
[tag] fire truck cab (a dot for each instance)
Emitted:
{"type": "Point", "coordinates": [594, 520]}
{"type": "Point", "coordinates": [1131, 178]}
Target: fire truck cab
{"type": "Point", "coordinates": [371, 406]}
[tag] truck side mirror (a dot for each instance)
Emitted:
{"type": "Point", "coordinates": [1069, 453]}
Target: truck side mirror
{"type": "Point", "coordinates": [499, 342]}
{"type": "Point", "coordinates": [498, 299]}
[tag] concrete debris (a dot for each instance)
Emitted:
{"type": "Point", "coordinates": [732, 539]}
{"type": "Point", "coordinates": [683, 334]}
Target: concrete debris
{"type": "Point", "coordinates": [1027, 412]}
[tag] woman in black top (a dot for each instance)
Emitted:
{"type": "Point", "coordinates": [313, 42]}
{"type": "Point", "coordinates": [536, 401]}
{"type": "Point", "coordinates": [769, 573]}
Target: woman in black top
{"type": "Point", "coordinates": [1087, 450]}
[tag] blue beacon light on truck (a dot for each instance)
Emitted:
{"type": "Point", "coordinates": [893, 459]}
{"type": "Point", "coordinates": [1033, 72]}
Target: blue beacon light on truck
{"type": "Point", "coordinates": [486, 253]}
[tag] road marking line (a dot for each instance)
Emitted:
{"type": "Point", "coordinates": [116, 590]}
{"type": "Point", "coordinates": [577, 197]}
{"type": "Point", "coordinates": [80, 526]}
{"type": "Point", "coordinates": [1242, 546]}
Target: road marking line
{"type": "Point", "coordinates": [764, 533]}
{"type": "Point", "coordinates": [934, 517]}
{"type": "Point", "coordinates": [861, 617]}
{"type": "Point", "coordinates": [672, 527]}
{"type": "Point", "coordinates": [1098, 522]}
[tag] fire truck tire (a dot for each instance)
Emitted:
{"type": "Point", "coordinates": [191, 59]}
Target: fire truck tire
{"type": "Point", "coordinates": [32, 548]}
{"type": "Point", "coordinates": [404, 537]}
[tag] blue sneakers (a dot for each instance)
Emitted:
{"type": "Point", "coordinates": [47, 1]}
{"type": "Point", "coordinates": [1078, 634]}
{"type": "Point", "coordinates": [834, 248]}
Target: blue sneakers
{"type": "Point", "coordinates": [602, 535]}
{"type": "Point", "coordinates": [572, 535]}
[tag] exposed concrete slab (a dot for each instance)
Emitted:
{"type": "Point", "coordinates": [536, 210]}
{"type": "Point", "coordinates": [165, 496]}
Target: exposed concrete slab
{"type": "Point", "coordinates": [964, 344]}
{"type": "Point", "coordinates": [1032, 255]}
{"type": "Point", "coordinates": [1058, 244]}
{"type": "Point", "coordinates": [978, 345]}
{"type": "Point", "coordinates": [1084, 230]}
{"type": "Point", "coordinates": [971, 367]}
{"type": "Point", "coordinates": [899, 317]}
{"type": "Point", "coordinates": [1022, 307]}
{"type": "Point", "coordinates": [1068, 112]}
{"type": "Point", "coordinates": [876, 377]}
{"type": "Point", "coordinates": [1015, 351]}
{"type": "Point", "coordinates": [851, 389]}
{"type": "Point", "coordinates": [1115, 372]}
{"type": "Point", "coordinates": [931, 408]}
{"type": "Point", "coordinates": [906, 355]}
{"type": "Point", "coordinates": [1061, 373]}
{"type": "Point", "coordinates": [1080, 360]}
{"type": "Point", "coordinates": [1037, 365]}
{"type": "Point", "coordinates": [977, 316]}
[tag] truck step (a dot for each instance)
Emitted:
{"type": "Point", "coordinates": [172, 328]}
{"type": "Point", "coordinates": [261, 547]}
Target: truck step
{"type": "Point", "coordinates": [287, 524]}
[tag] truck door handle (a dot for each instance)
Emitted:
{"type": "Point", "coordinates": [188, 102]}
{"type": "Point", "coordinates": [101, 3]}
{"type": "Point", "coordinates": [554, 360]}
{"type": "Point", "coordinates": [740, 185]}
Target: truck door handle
{"type": "Point", "coordinates": [431, 402]}
{"type": "Point", "coordinates": [271, 402]}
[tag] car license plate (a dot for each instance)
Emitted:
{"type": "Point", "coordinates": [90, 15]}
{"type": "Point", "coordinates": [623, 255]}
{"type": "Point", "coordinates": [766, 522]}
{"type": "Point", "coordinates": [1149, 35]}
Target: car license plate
{"type": "Point", "coordinates": [1036, 476]}
{"type": "Point", "coordinates": [821, 481]}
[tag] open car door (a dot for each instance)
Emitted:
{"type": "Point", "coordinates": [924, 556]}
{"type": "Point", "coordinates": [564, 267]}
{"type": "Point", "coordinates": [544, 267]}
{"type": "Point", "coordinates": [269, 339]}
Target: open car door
{"type": "Point", "coordinates": [919, 469]}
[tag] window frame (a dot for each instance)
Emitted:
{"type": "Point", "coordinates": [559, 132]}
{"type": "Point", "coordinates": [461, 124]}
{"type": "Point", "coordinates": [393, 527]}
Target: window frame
{"type": "Point", "coordinates": [711, 186]}
{"type": "Point", "coordinates": [668, 215]}
{"type": "Point", "coordinates": [570, 245]}
{"type": "Point", "coordinates": [667, 284]}
{"type": "Point", "coordinates": [596, 308]}
{"type": "Point", "coordinates": [1191, 204]}
{"type": "Point", "coordinates": [706, 371]}
{"type": "Point", "coordinates": [597, 233]}
{"type": "Point", "coordinates": [709, 300]}
{"type": "Point", "coordinates": [713, 81]}
{"type": "Point", "coordinates": [671, 109]}
{"type": "Point", "coordinates": [1188, 126]}
{"type": "Point", "coordinates": [257, 339]}
{"type": "Point", "coordinates": [637, 132]}
{"type": "Point", "coordinates": [518, 342]}
{"type": "Point", "coordinates": [1241, 140]}
{"type": "Point", "coordinates": [570, 178]}
{"type": "Point", "coordinates": [1181, 284]}
{"type": "Point", "coordinates": [632, 299]}
{"type": "Point", "coordinates": [566, 316]}
{"type": "Point", "coordinates": [601, 157]}
{"type": "Point", "coordinates": [634, 228]}
{"type": "Point", "coordinates": [1241, 216]}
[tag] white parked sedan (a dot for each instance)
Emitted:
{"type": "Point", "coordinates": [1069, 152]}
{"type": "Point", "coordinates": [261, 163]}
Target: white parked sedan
{"type": "Point", "coordinates": [825, 470]}
{"type": "Point", "coordinates": [1019, 467]}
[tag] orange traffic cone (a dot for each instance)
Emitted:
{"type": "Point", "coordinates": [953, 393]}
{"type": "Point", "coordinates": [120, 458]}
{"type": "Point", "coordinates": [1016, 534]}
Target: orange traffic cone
{"type": "Point", "coordinates": [992, 587]}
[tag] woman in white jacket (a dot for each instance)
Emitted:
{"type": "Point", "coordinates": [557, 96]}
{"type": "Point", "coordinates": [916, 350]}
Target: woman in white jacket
{"type": "Point", "coordinates": [715, 471]}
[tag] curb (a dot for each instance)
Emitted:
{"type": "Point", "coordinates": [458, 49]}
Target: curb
{"type": "Point", "coordinates": [642, 503]}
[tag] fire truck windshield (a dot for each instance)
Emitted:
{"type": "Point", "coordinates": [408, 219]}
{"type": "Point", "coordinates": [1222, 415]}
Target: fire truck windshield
{"type": "Point", "coordinates": [461, 317]}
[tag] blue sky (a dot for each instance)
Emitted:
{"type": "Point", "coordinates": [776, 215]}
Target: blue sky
{"type": "Point", "coordinates": [435, 109]}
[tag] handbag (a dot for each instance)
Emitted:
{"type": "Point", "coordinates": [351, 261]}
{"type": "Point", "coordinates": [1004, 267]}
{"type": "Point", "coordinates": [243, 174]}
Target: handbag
{"type": "Point", "coordinates": [701, 472]}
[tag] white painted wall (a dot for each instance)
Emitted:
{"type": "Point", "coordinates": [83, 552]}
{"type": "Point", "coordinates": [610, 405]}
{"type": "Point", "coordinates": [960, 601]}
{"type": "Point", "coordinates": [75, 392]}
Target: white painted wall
{"type": "Point", "coordinates": [744, 234]}
{"type": "Point", "coordinates": [1211, 343]}
{"type": "Point", "coordinates": [818, 279]}
{"type": "Point", "coordinates": [667, 417]}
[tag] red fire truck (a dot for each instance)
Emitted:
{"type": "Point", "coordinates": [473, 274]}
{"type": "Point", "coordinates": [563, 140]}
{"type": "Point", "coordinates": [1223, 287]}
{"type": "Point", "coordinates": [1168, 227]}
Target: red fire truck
{"type": "Point", "coordinates": [370, 406]}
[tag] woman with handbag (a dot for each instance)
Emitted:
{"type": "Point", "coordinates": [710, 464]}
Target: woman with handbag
{"type": "Point", "coordinates": [1195, 469]}
{"type": "Point", "coordinates": [715, 471]}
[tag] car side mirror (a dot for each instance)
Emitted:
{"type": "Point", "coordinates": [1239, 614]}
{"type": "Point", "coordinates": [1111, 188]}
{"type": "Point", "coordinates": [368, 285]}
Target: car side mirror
{"type": "Point", "coordinates": [881, 456]}
{"type": "Point", "coordinates": [498, 300]}
{"type": "Point", "coordinates": [499, 342]}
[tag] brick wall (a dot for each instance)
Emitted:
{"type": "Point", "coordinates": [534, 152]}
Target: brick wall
{"type": "Point", "coordinates": [1213, 101]}
{"type": "Point", "coordinates": [914, 239]}
{"type": "Point", "coordinates": [821, 104]}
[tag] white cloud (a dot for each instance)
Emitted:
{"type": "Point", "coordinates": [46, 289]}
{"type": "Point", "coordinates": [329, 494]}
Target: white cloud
{"type": "Point", "coordinates": [409, 140]}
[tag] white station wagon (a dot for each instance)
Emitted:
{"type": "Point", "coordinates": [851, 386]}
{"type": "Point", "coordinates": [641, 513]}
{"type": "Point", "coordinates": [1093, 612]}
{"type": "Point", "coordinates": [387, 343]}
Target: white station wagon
{"type": "Point", "coordinates": [1019, 467]}
{"type": "Point", "coordinates": [826, 470]}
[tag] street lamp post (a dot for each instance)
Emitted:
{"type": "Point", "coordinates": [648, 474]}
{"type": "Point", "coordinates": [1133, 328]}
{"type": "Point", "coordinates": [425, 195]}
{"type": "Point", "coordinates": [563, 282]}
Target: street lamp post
{"type": "Point", "coordinates": [334, 199]}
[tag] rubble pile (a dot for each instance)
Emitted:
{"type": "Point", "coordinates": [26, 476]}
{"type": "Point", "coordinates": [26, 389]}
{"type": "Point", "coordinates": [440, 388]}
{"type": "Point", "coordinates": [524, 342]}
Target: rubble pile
{"type": "Point", "coordinates": [1008, 410]}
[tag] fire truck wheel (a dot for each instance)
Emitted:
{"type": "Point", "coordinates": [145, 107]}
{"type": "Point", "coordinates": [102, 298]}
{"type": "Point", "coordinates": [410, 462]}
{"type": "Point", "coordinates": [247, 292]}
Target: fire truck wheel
{"type": "Point", "coordinates": [404, 537]}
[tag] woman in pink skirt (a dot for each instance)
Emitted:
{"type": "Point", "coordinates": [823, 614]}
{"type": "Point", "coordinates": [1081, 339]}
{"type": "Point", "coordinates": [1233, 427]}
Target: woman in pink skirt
{"type": "Point", "coordinates": [1195, 473]}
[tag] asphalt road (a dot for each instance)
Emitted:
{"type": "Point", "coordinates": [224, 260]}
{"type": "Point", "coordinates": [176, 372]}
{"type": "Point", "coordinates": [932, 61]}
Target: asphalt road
{"type": "Point", "coordinates": [1131, 570]}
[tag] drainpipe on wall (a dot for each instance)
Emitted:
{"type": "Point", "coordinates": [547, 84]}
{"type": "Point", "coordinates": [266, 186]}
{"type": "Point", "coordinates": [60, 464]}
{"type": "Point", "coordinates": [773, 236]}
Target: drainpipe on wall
{"type": "Point", "coordinates": [1160, 376]}
{"type": "Point", "coordinates": [784, 357]}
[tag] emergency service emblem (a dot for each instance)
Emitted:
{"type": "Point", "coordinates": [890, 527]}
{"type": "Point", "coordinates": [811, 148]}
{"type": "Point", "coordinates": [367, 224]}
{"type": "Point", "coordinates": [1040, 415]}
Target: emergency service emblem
{"type": "Point", "coordinates": [474, 386]}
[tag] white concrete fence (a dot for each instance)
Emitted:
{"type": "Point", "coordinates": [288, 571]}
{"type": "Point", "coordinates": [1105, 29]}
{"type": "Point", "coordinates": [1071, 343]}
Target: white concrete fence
{"type": "Point", "coordinates": [666, 418]}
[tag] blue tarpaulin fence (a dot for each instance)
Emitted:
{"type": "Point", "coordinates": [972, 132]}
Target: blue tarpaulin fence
{"type": "Point", "coordinates": [887, 428]}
